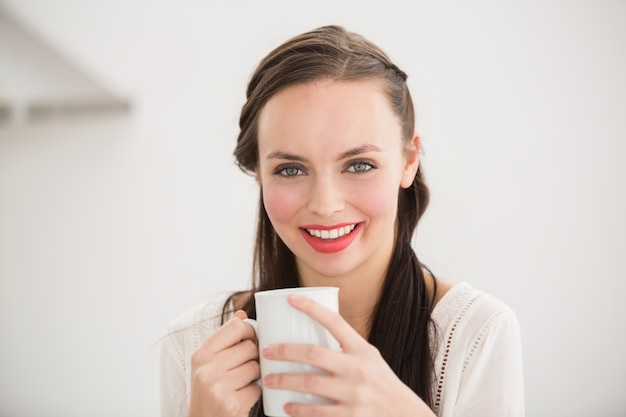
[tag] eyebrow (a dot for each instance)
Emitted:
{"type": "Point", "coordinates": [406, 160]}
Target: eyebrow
{"type": "Point", "coordinates": [359, 150]}
{"type": "Point", "coordinates": [347, 154]}
{"type": "Point", "coordinates": [285, 155]}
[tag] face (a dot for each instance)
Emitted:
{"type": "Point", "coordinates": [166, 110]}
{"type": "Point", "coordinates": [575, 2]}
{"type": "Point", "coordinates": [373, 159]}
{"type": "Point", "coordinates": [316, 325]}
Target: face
{"type": "Point", "coordinates": [331, 163]}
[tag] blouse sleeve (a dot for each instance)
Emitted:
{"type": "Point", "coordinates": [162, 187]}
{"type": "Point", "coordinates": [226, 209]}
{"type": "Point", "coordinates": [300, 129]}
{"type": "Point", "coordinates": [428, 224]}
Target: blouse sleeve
{"type": "Point", "coordinates": [185, 334]}
{"type": "Point", "coordinates": [492, 383]}
{"type": "Point", "coordinates": [173, 379]}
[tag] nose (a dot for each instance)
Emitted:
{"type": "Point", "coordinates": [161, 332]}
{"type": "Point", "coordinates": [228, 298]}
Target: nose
{"type": "Point", "coordinates": [325, 197]}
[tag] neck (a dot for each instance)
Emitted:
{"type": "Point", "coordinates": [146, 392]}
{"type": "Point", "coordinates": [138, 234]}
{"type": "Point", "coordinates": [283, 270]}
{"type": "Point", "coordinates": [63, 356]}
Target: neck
{"type": "Point", "coordinates": [358, 296]}
{"type": "Point", "coordinates": [359, 314]}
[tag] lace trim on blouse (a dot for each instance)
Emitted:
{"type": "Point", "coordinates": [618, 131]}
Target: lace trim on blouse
{"type": "Point", "coordinates": [482, 333]}
{"type": "Point", "coordinates": [447, 311]}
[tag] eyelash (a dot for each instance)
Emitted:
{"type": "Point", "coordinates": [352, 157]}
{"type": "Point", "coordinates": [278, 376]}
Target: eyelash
{"type": "Point", "coordinates": [281, 170]}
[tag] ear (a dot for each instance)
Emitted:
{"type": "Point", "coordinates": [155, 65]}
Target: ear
{"type": "Point", "coordinates": [412, 161]}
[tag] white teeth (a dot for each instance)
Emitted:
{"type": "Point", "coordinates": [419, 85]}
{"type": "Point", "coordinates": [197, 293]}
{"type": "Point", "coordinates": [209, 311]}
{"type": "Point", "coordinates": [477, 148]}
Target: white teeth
{"type": "Point", "coordinates": [333, 233]}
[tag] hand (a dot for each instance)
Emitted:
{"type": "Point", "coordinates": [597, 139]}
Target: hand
{"type": "Point", "coordinates": [359, 380]}
{"type": "Point", "coordinates": [224, 370]}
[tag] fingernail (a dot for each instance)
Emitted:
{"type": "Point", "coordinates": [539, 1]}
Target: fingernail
{"type": "Point", "coordinates": [294, 298]}
{"type": "Point", "coordinates": [267, 381]}
{"type": "Point", "coordinates": [268, 351]}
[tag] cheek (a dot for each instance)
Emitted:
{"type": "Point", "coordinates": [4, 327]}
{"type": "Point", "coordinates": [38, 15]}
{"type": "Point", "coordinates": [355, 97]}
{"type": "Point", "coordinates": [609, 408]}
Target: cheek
{"type": "Point", "coordinates": [378, 198]}
{"type": "Point", "coordinates": [280, 204]}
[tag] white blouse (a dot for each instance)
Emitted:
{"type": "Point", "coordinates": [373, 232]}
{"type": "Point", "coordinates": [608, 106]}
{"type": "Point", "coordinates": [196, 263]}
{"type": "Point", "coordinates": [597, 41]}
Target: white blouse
{"type": "Point", "coordinates": [478, 363]}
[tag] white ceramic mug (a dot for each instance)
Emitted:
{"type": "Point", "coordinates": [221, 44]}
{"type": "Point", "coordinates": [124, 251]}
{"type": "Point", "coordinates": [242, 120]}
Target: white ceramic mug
{"type": "Point", "coordinates": [279, 322]}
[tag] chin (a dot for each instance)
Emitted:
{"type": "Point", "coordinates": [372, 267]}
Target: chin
{"type": "Point", "coordinates": [329, 270]}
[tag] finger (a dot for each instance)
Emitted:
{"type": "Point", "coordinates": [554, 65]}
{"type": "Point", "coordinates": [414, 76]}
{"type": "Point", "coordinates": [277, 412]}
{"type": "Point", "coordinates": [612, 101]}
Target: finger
{"type": "Point", "coordinates": [312, 410]}
{"type": "Point", "coordinates": [320, 357]}
{"type": "Point", "coordinates": [347, 337]}
{"type": "Point", "coordinates": [249, 395]}
{"type": "Point", "coordinates": [244, 375]}
{"type": "Point", "coordinates": [235, 356]}
{"type": "Point", "coordinates": [227, 335]}
{"type": "Point", "coordinates": [309, 383]}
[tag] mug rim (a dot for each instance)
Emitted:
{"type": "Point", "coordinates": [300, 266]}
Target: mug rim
{"type": "Point", "coordinates": [282, 291]}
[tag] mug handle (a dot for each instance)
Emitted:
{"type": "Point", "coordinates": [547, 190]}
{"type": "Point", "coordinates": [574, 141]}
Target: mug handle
{"type": "Point", "coordinates": [255, 326]}
{"type": "Point", "coordinates": [253, 323]}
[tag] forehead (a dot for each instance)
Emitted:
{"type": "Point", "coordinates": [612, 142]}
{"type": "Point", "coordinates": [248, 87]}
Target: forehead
{"type": "Point", "coordinates": [328, 112]}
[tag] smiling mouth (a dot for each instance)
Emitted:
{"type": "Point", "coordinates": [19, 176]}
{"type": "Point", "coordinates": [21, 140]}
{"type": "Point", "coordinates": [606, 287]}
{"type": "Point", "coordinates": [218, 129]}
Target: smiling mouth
{"type": "Point", "coordinates": [332, 233]}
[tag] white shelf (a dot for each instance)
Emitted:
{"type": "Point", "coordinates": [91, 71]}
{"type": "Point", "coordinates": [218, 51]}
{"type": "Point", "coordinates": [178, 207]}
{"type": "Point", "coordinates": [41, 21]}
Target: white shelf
{"type": "Point", "coordinates": [39, 82]}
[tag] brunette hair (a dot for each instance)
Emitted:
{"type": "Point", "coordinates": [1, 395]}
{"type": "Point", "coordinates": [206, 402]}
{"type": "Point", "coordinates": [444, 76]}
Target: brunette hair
{"type": "Point", "coordinates": [401, 321]}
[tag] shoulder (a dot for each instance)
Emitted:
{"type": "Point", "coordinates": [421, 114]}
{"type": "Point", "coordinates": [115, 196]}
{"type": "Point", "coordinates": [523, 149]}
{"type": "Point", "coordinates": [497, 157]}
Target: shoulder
{"type": "Point", "coordinates": [468, 324]}
{"type": "Point", "coordinates": [466, 307]}
{"type": "Point", "coordinates": [477, 344]}
{"type": "Point", "coordinates": [205, 314]}
{"type": "Point", "coordinates": [186, 332]}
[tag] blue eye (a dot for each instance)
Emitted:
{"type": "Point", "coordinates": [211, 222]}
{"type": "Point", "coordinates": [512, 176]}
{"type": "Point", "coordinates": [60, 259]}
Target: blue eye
{"type": "Point", "coordinates": [360, 167]}
{"type": "Point", "coordinates": [288, 171]}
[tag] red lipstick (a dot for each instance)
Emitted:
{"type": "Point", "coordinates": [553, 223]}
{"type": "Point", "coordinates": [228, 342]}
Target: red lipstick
{"type": "Point", "coordinates": [330, 245]}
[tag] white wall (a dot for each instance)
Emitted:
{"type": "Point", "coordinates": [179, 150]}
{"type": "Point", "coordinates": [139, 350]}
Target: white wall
{"type": "Point", "coordinates": [112, 226]}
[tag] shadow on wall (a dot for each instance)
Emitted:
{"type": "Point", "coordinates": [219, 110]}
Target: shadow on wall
{"type": "Point", "coordinates": [38, 82]}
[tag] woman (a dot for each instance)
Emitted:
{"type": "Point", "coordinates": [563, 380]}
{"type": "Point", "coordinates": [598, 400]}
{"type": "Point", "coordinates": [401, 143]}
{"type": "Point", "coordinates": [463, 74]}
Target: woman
{"type": "Point", "coordinates": [328, 131]}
